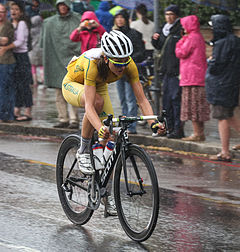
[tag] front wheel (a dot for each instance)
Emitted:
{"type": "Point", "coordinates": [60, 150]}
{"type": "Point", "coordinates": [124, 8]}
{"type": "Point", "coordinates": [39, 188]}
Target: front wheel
{"type": "Point", "coordinates": [136, 194]}
{"type": "Point", "coordinates": [72, 185]}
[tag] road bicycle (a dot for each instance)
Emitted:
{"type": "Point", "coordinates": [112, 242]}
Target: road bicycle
{"type": "Point", "coordinates": [135, 184]}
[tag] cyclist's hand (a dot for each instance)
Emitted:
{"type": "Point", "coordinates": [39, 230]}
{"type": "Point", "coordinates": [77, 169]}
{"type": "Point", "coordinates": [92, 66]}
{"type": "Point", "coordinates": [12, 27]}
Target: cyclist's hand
{"type": "Point", "coordinates": [157, 127]}
{"type": "Point", "coordinates": [104, 132]}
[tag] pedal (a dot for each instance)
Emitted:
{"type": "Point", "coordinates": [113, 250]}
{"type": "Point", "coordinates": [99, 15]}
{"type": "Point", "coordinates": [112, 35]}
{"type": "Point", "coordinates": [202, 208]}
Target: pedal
{"type": "Point", "coordinates": [66, 188]}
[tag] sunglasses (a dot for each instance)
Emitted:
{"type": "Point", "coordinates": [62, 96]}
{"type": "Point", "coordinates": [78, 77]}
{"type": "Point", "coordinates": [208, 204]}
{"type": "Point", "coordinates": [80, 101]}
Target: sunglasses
{"type": "Point", "coordinates": [120, 64]}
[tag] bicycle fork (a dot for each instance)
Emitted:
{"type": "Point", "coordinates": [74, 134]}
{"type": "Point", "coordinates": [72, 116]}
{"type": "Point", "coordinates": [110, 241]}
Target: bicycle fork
{"type": "Point", "coordinates": [139, 179]}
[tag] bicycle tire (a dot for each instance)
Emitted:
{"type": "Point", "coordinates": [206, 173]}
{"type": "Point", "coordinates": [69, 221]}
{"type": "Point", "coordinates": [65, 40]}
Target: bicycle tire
{"type": "Point", "coordinates": [137, 214]}
{"type": "Point", "coordinates": [76, 208]}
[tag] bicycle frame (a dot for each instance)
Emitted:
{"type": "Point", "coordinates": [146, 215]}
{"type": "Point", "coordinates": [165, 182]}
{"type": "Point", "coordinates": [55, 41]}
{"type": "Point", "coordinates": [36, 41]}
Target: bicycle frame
{"type": "Point", "coordinates": [119, 151]}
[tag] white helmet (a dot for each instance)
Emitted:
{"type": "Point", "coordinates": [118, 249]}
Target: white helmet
{"type": "Point", "coordinates": [115, 44]}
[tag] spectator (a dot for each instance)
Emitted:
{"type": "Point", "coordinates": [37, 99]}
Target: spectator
{"type": "Point", "coordinates": [89, 31]}
{"type": "Point", "coordinates": [7, 65]}
{"type": "Point", "coordinates": [125, 92]}
{"type": "Point", "coordinates": [104, 16]}
{"type": "Point", "coordinates": [191, 51]}
{"type": "Point", "coordinates": [58, 49]}
{"type": "Point", "coordinates": [165, 40]}
{"type": "Point", "coordinates": [144, 26]}
{"type": "Point", "coordinates": [22, 74]}
{"type": "Point", "coordinates": [33, 8]}
{"type": "Point", "coordinates": [80, 6]}
{"type": "Point", "coordinates": [222, 81]}
{"type": "Point", "coordinates": [35, 55]}
{"type": "Point", "coordinates": [7, 5]}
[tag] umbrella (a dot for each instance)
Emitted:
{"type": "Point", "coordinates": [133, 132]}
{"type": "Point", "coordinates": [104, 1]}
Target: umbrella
{"type": "Point", "coordinates": [46, 7]}
{"type": "Point", "coordinates": [221, 4]}
{"type": "Point", "coordinates": [131, 4]}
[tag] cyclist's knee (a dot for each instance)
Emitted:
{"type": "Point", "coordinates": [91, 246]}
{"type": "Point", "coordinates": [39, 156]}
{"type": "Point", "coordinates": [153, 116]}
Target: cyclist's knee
{"type": "Point", "coordinates": [99, 102]}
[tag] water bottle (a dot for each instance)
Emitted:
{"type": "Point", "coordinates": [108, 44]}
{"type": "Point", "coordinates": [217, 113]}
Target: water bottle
{"type": "Point", "coordinates": [98, 156]}
{"type": "Point", "coordinates": [108, 150]}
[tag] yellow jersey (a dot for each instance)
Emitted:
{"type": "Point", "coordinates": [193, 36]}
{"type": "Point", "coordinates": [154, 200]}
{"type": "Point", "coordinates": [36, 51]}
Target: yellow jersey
{"type": "Point", "coordinates": [84, 70]}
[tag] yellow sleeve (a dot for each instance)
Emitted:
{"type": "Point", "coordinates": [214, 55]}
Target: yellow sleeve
{"type": "Point", "coordinates": [132, 72]}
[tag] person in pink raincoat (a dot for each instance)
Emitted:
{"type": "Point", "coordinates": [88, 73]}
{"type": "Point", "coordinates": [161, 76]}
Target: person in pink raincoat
{"type": "Point", "coordinates": [193, 65]}
{"type": "Point", "coordinates": [89, 31]}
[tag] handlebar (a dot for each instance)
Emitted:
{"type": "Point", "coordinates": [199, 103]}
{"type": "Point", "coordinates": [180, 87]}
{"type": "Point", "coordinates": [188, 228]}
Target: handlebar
{"type": "Point", "coordinates": [128, 120]}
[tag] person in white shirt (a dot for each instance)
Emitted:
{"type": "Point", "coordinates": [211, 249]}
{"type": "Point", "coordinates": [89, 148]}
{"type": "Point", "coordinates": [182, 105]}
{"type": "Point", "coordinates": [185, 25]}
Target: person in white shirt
{"type": "Point", "coordinates": [144, 26]}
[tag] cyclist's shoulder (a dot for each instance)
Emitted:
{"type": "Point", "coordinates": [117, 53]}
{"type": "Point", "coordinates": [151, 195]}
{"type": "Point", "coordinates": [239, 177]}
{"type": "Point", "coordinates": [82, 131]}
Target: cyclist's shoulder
{"type": "Point", "coordinates": [131, 72]}
{"type": "Point", "coordinates": [86, 60]}
{"type": "Point", "coordinates": [131, 67]}
{"type": "Point", "coordinates": [92, 54]}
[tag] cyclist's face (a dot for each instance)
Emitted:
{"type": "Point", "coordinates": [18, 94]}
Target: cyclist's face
{"type": "Point", "coordinates": [115, 68]}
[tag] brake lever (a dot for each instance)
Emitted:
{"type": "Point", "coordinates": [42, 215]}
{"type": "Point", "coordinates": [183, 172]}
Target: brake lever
{"type": "Point", "coordinates": [109, 123]}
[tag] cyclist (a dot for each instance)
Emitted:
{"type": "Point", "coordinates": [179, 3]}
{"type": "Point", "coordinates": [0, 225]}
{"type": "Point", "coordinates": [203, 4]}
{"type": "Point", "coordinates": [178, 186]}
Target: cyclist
{"type": "Point", "coordinates": [85, 85]}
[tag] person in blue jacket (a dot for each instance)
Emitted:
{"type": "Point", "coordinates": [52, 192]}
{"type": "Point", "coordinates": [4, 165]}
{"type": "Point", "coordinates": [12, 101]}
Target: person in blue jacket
{"type": "Point", "coordinates": [104, 16]}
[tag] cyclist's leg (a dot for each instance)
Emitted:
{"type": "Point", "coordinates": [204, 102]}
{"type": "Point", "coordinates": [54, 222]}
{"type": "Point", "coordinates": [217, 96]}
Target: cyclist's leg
{"type": "Point", "coordinates": [110, 208]}
{"type": "Point", "coordinates": [73, 93]}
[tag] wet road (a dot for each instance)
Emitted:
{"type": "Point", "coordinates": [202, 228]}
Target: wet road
{"type": "Point", "coordinates": [199, 205]}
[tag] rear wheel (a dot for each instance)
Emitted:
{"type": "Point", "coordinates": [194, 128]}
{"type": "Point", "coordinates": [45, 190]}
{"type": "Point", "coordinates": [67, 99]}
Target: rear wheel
{"type": "Point", "coordinates": [72, 185]}
{"type": "Point", "coordinates": [137, 206]}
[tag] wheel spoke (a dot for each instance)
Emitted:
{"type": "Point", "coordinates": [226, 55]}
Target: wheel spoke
{"type": "Point", "coordinates": [139, 205]}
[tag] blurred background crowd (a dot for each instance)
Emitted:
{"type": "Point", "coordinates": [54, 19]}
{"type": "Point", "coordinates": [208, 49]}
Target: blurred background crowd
{"type": "Point", "coordinates": [38, 38]}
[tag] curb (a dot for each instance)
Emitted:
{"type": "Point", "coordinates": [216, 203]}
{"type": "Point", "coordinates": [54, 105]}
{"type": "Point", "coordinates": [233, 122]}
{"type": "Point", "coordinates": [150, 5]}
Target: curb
{"type": "Point", "coordinates": [176, 145]}
{"type": "Point", "coordinates": [34, 130]}
{"type": "Point", "coordinates": [159, 142]}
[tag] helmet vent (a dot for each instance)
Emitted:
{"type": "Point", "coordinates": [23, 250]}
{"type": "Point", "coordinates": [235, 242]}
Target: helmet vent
{"type": "Point", "coordinates": [116, 44]}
